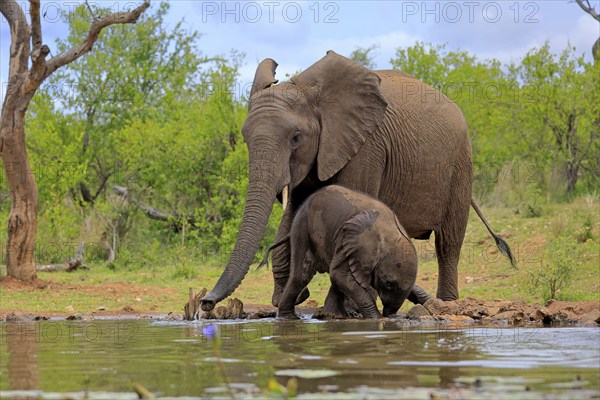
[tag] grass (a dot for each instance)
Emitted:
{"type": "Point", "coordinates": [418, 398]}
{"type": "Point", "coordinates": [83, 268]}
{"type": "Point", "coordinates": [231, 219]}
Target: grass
{"type": "Point", "coordinates": [483, 273]}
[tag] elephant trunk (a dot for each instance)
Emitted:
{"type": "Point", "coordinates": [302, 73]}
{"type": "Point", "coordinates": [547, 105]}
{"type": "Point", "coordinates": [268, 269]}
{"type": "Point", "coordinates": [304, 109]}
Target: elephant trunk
{"type": "Point", "coordinates": [259, 203]}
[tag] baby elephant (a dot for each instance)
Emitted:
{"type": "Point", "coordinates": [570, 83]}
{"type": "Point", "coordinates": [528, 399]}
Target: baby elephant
{"type": "Point", "coordinates": [360, 242]}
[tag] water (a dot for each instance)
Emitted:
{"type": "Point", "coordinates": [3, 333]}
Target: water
{"type": "Point", "coordinates": [349, 359]}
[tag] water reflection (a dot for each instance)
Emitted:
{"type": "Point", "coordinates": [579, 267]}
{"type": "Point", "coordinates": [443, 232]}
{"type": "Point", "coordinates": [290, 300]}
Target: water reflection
{"type": "Point", "coordinates": [175, 359]}
{"type": "Point", "coordinates": [21, 355]}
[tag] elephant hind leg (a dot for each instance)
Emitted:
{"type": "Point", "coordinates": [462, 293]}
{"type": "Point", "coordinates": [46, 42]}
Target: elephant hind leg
{"type": "Point", "coordinates": [334, 304]}
{"type": "Point", "coordinates": [302, 269]}
{"type": "Point", "coordinates": [448, 242]}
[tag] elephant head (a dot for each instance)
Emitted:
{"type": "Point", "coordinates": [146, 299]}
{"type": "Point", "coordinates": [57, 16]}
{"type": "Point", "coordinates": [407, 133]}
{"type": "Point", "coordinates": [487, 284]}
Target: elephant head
{"type": "Point", "coordinates": [319, 119]}
{"type": "Point", "coordinates": [380, 256]}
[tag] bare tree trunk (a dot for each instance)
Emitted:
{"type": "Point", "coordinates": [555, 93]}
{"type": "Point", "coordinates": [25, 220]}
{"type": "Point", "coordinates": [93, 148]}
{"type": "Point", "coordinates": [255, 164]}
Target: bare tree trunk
{"type": "Point", "coordinates": [23, 82]}
{"type": "Point", "coordinates": [22, 221]}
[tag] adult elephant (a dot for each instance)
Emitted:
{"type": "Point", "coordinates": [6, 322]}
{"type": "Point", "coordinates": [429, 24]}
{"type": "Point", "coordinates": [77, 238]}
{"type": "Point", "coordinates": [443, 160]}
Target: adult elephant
{"type": "Point", "coordinates": [383, 133]}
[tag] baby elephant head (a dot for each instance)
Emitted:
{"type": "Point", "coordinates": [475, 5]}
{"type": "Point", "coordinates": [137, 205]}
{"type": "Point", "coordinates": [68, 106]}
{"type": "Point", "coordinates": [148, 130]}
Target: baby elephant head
{"type": "Point", "coordinates": [381, 257]}
{"type": "Point", "coordinates": [396, 272]}
{"type": "Point", "coordinates": [395, 275]}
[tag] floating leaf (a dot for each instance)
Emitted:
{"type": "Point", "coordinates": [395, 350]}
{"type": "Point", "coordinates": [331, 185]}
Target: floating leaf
{"type": "Point", "coordinates": [307, 373]}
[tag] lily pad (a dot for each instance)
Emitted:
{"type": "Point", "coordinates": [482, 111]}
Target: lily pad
{"type": "Point", "coordinates": [307, 373]}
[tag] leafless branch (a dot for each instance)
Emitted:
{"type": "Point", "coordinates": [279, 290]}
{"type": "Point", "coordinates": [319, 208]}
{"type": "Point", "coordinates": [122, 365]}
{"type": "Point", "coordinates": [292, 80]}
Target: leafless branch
{"type": "Point", "coordinates": [174, 219]}
{"type": "Point", "coordinates": [71, 265]}
{"type": "Point", "coordinates": [82, 48]}
{"type": "Point", "coordinates": [36, 26]}
{"type": "Point", "coordinates": [587, 7]}
{"type": "Point", "coordinates": [19, 33]}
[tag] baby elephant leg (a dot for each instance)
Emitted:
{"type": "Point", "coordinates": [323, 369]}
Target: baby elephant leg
{"type": "Point", "coordinates": [341, 275]}
{"type": "Point", "coordinates": [363, 299]}
{"type": "Point", "coordinates": [297, 282]}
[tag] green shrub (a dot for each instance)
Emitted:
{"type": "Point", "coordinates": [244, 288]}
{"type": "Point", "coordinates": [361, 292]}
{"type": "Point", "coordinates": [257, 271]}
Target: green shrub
{"type": "Point", "coordinates": [555, 272]}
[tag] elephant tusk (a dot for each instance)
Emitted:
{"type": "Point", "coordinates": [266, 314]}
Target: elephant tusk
{"type": "Point", "coordinates": [284, 197]}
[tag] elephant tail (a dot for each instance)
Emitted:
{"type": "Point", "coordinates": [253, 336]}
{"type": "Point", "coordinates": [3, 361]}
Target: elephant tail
{"type": "Point", "coordinates": [500, 242]}
{"type": "Point", "coordinates": [275, 245]}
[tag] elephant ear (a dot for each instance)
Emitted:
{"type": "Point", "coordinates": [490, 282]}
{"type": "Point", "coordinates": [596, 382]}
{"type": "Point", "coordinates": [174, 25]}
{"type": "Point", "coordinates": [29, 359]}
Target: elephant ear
{"type": "Point", "coordinates": [360, 245]}
{"type": "Point", "coordinates": [351, 106]}
{"type": "Point", "coordinates": [264, 76]}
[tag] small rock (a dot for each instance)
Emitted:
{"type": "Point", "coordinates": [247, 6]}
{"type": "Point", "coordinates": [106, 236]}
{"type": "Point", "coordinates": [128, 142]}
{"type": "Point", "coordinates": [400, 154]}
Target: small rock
{"type": "Point", "coordinates": [127, 309]}
{"type": "Point", "coordinates": [138, 299]}
{"type": "Point", "coordinates": [264, 312]}
{"type": "Point", "coordinates": [592, 316]}
{"type": "Point", "coordinates": [418, 311]}
{"type": "Point", "coordinates": [399, 315]}
{"type": "Point", "coordinates": [463, 319]}
{"type": "Point", "coordinates": [40, 318]}
{"type": "Point", "coordinates": [80, 317]}
{"type": "Point", "coordinates": [101, 308]}
{"type": "Point", "coordinates": [513, 317]}
{"type": "Point", "coordinates": [475, 311]}
{"type": "Point", "coordinates": [174, 316]}
{"type": "Point", "coordinates": [435, 307]}
{"type": "Point", "coordinates": [491, 311]}
{"type": "Point", "coordinates": [18, 317]}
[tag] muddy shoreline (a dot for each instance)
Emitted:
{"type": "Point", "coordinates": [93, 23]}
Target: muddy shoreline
{"type": "Point", "coordinates": [454, 314]}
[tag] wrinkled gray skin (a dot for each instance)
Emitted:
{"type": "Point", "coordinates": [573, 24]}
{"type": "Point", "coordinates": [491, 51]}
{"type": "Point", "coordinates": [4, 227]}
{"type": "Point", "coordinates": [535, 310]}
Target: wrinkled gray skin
{"type": "Point", "coordinates": [383, 133]}
{"type": "Point", "coordinates": [362, 245]}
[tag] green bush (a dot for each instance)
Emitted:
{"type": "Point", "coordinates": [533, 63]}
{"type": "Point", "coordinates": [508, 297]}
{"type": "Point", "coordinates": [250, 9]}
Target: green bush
{"type": "Point", "coordinates": [555, 272]}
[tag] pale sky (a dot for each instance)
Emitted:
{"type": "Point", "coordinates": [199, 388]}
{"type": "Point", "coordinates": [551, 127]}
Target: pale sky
{"type": "Point", "coordinates": [298, 33]}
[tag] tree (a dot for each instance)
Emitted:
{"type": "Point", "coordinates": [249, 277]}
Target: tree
{"type": "Point", "coordinates": [364, 56]}
{"type": "Point", "coordinates": [23, 82]}
{"type": "Point", "coordinates": [157, 68]}
{"type": "Point", "coordinates": [483, 93]}
{"type": "Point", "coordinates": [561, 123]}
{"type": "Point", "coordinates": [587, 7]}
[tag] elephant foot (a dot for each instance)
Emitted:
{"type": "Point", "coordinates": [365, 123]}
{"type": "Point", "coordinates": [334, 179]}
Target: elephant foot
{"type": "Point", "coordinates": [288, 315]}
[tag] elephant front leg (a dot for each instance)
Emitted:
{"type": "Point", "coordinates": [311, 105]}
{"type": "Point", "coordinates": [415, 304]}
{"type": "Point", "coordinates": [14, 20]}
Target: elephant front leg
{"type": "Point", "coordinates": [363, 298]}
{"type": "Point", "coordinates": [296, 284]}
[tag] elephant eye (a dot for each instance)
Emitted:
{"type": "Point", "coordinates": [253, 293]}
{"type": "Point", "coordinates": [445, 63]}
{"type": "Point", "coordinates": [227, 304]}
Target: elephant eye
{"type": "Point", "coordinates": [388, 284]}
{"type": "Point", "coordinates": [296, 137]}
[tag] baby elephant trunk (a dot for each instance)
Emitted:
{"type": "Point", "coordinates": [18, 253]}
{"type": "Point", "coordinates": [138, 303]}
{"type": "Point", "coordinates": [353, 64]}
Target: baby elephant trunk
{"type": "Point", "coordinates": [390, 309]}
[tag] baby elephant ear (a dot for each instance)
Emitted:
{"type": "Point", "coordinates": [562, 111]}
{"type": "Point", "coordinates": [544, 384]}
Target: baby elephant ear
{"type": "Point", "coordinates": [359, 245]}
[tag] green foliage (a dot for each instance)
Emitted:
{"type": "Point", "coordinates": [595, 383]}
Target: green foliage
{"type": "Point", "coordinates": [148, 112]}
{"type": "Point", "coordinates": [555, 273]}
{"type": "Point", "coordinates": [539, 115]}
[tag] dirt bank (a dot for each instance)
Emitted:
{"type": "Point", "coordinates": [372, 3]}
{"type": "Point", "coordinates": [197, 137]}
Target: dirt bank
{"type": "Point", "coordinates": [455, 313]}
